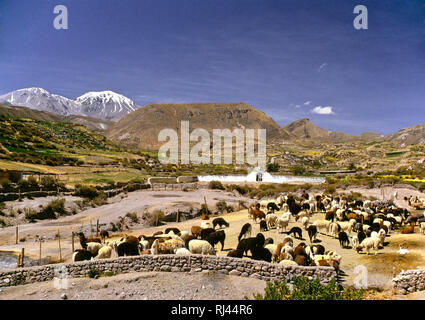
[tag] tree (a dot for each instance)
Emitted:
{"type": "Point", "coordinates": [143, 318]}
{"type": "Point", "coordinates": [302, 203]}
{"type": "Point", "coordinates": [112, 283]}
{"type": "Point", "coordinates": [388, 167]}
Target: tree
{"type": "Point", "coordinates": [273, 167]}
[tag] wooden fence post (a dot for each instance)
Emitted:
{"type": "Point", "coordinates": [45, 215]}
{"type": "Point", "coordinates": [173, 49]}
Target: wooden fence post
{"type": "Point", "coordinates": [97, 227]}
{"type": "Point", "coordinates": [72, 239]}
{"type": "Point", "coordinates": [22, 256]}
{"type": "Point", "coordinates": [206, 206]}
{"type": "Point", "coordinates": [60, 251]}
{"type": "Point", "coordinates": [16, 234]}
{"type": "Point", "coordinates": [39, 256]}
{"type": "Point", "coordinates": [178, 216]}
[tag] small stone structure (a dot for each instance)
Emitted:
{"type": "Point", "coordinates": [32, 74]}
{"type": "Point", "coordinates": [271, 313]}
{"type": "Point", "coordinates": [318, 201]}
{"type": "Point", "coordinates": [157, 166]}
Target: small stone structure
{"type": "Point", "coordinates": [187, 179]}
{"type": "Point", "coordinates": [410, 281]}
{"type": "Point", "coordinates": [166, 263]}
{"type": "Point", "coordinates": [162, 180]}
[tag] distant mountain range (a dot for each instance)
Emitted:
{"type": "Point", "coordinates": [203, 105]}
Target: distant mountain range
{"type": "Point", "coordinates": [22, 112]}
{"type": "Point", "coordinates": [105, 105]}
{"type": "Point", "coordinates": [126, 123]}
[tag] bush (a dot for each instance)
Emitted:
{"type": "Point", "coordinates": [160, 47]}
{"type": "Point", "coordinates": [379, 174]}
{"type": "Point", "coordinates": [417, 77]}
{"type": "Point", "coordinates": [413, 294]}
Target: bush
{"type": "Point", "coordinates": [49, 183]}
{"type": "Point", "coordinates": [49, 212]}
{"type": "Point", "coordinates": [351, 166]}
{"type": "Point", "coordinates": [86, 192]}
{"type": "Point", "coordinates": [354, 196]}
{"type": "Point", "coordinates": [330, 189]}
{"type": "Point", "coordinates": [305, 289]}
{"type": "Point", "coordinates": [133, 217]}
{"type": "Point", "coordinates": [241, 189]}
{"type": "Point", "coordinates": [216, 185]}
{"type": "Point", "coordinates": [93, 273]}
{"type": "Point", "coordinates": [221, 205]}
{"type": "Point", "coordinates": [6, 184]}
{"type": "Point", "coordinates": [273, 167]}
{"type": "Point", "coordinates": [298, 170]}
{"type": "Point", "coordinates": [153, 218]}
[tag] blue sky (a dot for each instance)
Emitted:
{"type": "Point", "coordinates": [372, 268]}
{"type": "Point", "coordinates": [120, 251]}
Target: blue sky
{"type": "Point", "coordinates": [284, 57]}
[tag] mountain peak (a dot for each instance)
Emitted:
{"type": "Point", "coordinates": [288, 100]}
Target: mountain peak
{"type": "Point", "coordinates": [34, 90]}
{"type": "Point", "coordinates": [305, 129]}
{"type": "Point", "coordinates": [105, 105]}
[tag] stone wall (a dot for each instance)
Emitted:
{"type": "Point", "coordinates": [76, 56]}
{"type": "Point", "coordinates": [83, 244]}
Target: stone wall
{"type": "Point", "coordinates": [410, 281]}
{"type": "Point", "coordinates": [167, 263]}
{"type": "Point", "coordinates": [162, 180]}
{"type": "Point", "coordinates": [187, 179]}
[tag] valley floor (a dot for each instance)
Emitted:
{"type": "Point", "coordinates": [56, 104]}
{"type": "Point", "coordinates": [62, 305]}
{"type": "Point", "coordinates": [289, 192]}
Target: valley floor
{"type": "Point", "coordinates": [381, 268]}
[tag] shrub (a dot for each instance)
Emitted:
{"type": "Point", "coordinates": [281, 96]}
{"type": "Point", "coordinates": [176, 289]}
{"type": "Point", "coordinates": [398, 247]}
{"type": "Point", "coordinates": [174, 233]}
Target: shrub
{"type": "Point", "coordinates": [49, 212]}
{"type": "Point", "coordinates": [48, 183]}
{"type": "Point", "coordinates": [86, 192]}
{"type": "Point", "coordinates": [221, 205]}
{"type": "Point", "coordinates": [330, 189]}
{"type": "Point", "coordinates": [242, 204]}
{"type": "Point", "coordinates": [273, 167]}
{"type": "Point", "coordinates": [298, 170]}
{"type": "Point", "coordinates": [216, 185]}
{"type": "Point", "coordinates": [6, 184]}
{"type": "Point", "coordinates": [133, 217]}
{"type": "Point", "coordinates": [305, 289]}
{"type": "Point", "coordinates": [354, 196]}
{"type": "Point", "coordinates": [204, 209]}
{"type": "Point", "coordinates": [153, 218]}
{"type": "Point", "coordinates": [93, 273]}
{"type": "Point", "coordinates": [241, 189]}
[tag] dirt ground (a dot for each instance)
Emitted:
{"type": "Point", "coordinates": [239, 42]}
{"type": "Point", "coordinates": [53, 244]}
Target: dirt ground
{"type": "Point", "coordinates": [207, 285]}
{"type": "Point", "coordinates": [380, 268]}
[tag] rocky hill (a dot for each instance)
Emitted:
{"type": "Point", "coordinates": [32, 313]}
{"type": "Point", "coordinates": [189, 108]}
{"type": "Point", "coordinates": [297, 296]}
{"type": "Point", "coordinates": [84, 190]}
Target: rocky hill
{"type": "Point", "coordinates": [140, 128]}
{"type": "Point", "coordinates": [408, 136]}
{"type": "Point", "coordinates": [304, 129]}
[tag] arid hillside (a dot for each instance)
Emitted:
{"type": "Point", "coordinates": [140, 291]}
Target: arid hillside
{"type": "Point", "coordinates": [140, 128]}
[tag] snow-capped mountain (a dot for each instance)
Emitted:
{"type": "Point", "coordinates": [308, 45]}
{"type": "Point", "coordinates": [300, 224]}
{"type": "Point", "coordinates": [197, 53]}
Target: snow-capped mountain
{"type": "Point", "coordinates": [40, 99]}
{"type": "Point", "coordinates": [105, 105]}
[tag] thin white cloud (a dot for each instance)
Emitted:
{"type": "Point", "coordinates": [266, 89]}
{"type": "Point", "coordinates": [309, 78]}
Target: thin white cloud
{"type": "Point", "coordinates": [307, 103]}
{"type": "Point", "coordinates": [322, 66]}
{"type": "Point", "coordinates": [323, 110]}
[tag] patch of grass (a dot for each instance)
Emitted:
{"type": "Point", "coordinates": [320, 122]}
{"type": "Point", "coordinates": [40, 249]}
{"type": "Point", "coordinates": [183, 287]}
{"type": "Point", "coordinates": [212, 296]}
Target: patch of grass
{"type": "Point", "coordinates": [305, 289]}
{"type": "Point", "coordinates": [109, 274]}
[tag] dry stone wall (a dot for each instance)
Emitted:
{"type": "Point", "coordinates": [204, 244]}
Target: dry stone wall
{"type": "Point", "coordinates": [166, 263]}
{"type": "Point", "coordinates": [410, 281]}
